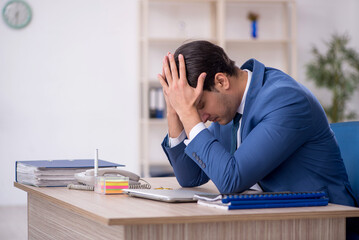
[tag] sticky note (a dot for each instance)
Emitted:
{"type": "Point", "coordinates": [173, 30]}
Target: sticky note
{"type": "Point", "coordinates": [111, 185]}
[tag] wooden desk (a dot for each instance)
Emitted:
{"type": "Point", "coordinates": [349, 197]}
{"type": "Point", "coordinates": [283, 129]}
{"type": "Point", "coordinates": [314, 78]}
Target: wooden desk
{"type": "Point", "coordinates": [59, 213]}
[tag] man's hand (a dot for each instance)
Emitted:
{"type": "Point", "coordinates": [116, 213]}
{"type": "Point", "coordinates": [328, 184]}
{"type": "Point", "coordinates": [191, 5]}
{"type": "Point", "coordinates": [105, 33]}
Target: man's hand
{"type": "Point", "coordinates": [175, 126]}
{"type": "Point", "coordinates": [169, 108]}
{"type": "Point", "coordinates": [180, 95]}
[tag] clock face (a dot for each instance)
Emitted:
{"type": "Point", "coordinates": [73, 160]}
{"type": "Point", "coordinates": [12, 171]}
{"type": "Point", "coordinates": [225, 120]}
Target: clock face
{"type": "Point", "coordinates": [17, 14]}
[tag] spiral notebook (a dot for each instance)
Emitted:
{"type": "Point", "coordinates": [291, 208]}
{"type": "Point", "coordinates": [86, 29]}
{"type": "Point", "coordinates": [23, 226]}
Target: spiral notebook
{"type": "Point", "coordinates": [264, 200]}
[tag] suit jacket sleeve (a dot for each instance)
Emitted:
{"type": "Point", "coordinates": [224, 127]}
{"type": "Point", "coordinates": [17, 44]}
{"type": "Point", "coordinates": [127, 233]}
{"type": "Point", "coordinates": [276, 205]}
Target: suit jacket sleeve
{"type": "Point", "coordinates": [187, 172]}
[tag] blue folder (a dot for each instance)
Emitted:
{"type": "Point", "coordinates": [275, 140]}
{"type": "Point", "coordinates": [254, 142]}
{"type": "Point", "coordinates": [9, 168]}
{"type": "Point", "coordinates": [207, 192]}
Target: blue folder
{"type": "Point", "coordinates": [278, 203]}
{"type": "Point", "coordinates": [265, 200]}
{"type": "Point", "coordinates": [75, 163]}
{"type": "Point", "coordinates": [226, 198]}
{"type": "Point", "coordinates": [312, 203]}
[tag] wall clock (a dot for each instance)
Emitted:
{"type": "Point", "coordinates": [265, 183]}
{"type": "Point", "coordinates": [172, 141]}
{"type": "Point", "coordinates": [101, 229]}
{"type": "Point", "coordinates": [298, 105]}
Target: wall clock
{"type": "Point", "coordinates": [17, 14]}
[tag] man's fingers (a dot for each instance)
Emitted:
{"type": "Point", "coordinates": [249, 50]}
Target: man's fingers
{"type": "Point", "coordinates": [163, 73]}
{"type": "Point", "coordinates": [200, 82]}
{"type": "Point", "coordinates": [163, 82]}
{"type": "Point", "coordinates": [182, 67]}
{"type": "Point", "coordinates": [167, 72]}
{"type": "Point", "coordinates": [173, 67]}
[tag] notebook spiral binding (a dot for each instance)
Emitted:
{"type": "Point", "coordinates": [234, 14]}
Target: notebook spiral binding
{"type": "Point", "coordinates": [274, 195]}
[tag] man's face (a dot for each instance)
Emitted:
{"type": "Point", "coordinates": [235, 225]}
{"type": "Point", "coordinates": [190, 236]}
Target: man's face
{"type": "Point", "coordinates": [216, 107]}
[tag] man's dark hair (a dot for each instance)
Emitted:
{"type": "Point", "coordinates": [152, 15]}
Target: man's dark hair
{"type": "Point", "coordinates": [203, 56]}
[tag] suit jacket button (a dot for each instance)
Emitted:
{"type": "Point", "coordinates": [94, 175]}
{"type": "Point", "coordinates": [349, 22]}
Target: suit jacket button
{"type": "Point", "coordinates": [200, 161]}
{"type": "Point", "coordinates": [194, 154]}
{"type": "Point", "coordinates": [203, 165]}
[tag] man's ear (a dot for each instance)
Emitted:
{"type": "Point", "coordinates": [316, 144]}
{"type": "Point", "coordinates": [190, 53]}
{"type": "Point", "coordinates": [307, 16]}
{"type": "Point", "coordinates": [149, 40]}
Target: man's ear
{"type": "Point", "coordinates": [221, 81]}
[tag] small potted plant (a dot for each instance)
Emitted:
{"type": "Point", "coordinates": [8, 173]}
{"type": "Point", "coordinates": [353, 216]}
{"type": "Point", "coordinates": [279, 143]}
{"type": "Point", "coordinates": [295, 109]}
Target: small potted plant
{"type": "Point", "coordinates": [337, 70]}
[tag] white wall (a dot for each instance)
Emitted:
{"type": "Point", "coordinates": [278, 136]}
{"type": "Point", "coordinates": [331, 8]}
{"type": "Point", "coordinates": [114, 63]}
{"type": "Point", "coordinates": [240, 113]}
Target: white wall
{"type": "Point", "coordinates": [68, 80]}
{"type": "Point", "coordinates": [68, 85]}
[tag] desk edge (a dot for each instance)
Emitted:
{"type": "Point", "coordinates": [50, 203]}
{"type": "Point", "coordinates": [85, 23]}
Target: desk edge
{"type": "Point", "coordinates": [188, 219]}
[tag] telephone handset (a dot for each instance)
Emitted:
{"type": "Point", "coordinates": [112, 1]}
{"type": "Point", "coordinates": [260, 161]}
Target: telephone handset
{"type": "Point", "coordinates": [88, 177]}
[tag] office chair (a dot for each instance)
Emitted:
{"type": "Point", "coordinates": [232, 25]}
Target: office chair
{"type": "Point", "coordinates": [347, 135]}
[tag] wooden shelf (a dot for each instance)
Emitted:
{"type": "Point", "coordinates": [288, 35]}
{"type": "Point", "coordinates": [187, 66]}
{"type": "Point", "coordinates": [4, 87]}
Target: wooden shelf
{"type": "Point", "coordinates": [260, 1]}
{"type": "Point", "coordinates": [157, 40]}
{"type": "Point", "coordinates": [151, 82]}
{"type": "Point", "coordinates": [166, 24]}
{"type": "Point", "coordinates": [183, 1]}
{"type": "Point", "coordinates": [215, 1]}
{"type": "Point", "coordinates": [154, 121]}
{"type": "Point", "coordinates": [258, 41]}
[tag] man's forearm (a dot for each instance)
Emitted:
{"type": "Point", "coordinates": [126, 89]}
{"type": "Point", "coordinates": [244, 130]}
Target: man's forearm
{"type": "Point", "coordinates": [190, 119]}
{"type": "Point", "coordinates": [175, 126]}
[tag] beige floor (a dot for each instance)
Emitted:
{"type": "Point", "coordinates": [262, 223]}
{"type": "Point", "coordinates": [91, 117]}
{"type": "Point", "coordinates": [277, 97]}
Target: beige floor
{"type": "Point", "coordinates": [13, 223]}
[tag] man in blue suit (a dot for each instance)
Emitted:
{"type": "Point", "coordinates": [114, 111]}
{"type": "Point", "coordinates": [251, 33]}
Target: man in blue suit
{"type": "Point", "coordinates": [284, 142]}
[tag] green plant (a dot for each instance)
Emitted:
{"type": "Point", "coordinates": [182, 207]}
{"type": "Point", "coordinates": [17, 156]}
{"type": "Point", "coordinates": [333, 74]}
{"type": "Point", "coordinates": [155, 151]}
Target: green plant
{"type": "Point", "coordinates": [337, 70]}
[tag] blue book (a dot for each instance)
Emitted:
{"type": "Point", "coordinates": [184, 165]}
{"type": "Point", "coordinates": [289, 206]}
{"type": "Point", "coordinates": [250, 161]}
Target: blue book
{"type": "Point", "coordinates": [264, 200]}
{"type": "Point", "coordinates": [54, 173]}
{"type": "Point", "coordinates": [226, 198]}
{"type": "Point", "coordinates": [311, 203]}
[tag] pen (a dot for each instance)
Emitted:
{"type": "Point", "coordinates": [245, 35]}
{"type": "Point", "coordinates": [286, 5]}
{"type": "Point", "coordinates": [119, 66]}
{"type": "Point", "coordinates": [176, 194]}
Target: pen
{"type": "Point", "coordinates": [162, 188]}
{"type": "Point", "coordinates": [96, 163]}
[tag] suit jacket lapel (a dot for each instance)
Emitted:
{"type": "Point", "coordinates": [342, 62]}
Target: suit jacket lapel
{"type": "Point", "coordinates": [257, 82]}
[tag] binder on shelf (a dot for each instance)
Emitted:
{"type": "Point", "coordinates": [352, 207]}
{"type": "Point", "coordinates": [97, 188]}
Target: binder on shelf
{"type": "Point", "coordinates": [54, 173]}
{"type": "Point", "coordinates": [152, 103]}
{"type": "Point", "coordinates": [160, 104]}
{"type": "Point", "coordinates": [264, 200]}
{"type": "Point", "coordinates": [156, 103]}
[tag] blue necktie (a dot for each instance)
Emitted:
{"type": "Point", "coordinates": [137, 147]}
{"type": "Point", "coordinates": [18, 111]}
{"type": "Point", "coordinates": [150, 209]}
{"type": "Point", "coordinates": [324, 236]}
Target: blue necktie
{"type": "Point", "coordinates": [235, 127]}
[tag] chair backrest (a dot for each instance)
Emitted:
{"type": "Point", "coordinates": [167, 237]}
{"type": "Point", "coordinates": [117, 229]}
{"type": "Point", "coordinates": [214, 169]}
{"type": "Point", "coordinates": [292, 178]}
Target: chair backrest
{"type": "Point", "coordinates": [347, 135]}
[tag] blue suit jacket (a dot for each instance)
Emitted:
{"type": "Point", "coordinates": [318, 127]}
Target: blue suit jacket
{"type": "Point", "coordinates": [287, 144]}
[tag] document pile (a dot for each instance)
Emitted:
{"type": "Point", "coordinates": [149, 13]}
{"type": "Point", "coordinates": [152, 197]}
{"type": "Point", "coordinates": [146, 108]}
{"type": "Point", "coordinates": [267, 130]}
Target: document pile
{"type": "Point", "coordinates": [264, 200]}
{"type": "Point", "coordinates": [54, 173]}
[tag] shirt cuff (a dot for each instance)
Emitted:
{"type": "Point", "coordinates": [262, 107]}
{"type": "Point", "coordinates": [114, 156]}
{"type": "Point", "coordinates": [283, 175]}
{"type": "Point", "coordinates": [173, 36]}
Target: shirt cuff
{"type": "Point", "coordinates": [172, 142]}
{"type": "Point", "coordinates": [194, 131]}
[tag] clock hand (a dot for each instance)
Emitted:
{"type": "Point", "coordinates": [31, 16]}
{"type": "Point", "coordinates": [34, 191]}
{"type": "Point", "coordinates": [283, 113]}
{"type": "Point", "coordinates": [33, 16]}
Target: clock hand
{"type": "Point", "coordinates": [17, 17]}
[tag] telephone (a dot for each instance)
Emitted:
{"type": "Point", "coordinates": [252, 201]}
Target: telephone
{"type": "Point", "coordinates": [88, 177]}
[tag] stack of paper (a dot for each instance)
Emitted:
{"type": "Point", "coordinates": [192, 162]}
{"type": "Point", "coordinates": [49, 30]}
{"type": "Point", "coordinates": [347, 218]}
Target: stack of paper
{"type": "Point", "coordinates": [264, 200]}
{"type": "Point", "coordinates": [54, 173]}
